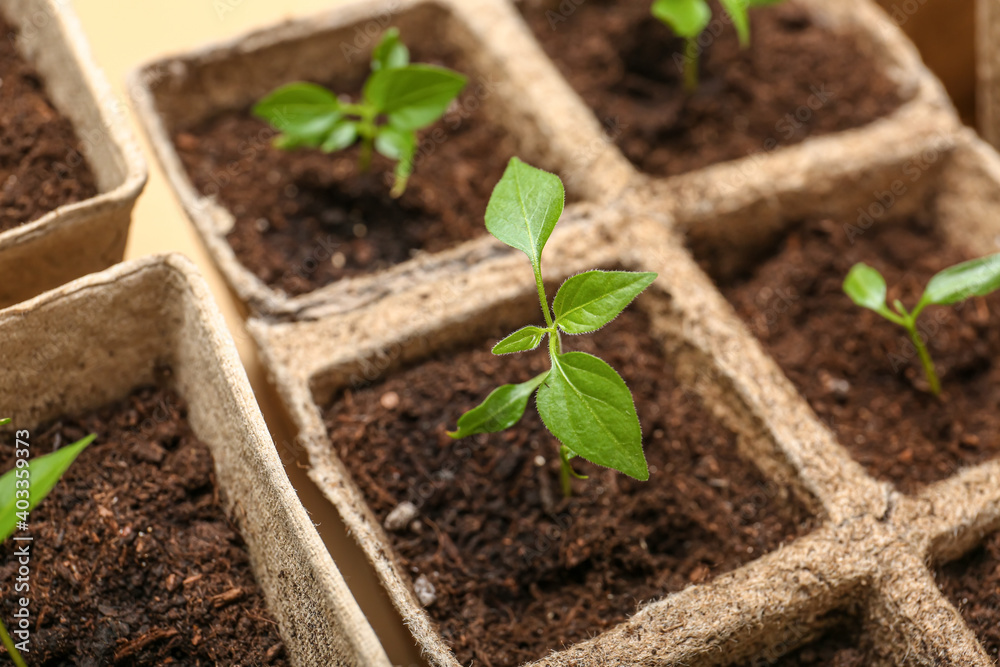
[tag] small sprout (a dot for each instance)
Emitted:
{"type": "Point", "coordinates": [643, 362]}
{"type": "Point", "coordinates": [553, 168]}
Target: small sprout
{"type": "Point", "coordinates": [32, 482]}
{"type": "Point", "coordinates": [978, 277]}
{"type": "Point", "coordinates": [582, 401]}
{"type": "Point", "coordinates": [397, 100]}
{"type": "Point", "coordinates": [688, 18]}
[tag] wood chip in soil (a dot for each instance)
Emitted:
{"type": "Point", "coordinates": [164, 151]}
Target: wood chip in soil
{"type": "Point", "coordinates": [797, 80]}
{"type": "Point", "coordinates": [133, 559]}
{"type": "Point", "coordinates": [507, 568]}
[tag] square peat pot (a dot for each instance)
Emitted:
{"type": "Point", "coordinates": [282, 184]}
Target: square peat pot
{"type": "Point", "coordinates": [176, 534]}
{"type": "Point", "coordinates": [301, 233]}
{"type": "Point", "coordinates": [72, 167]}
{"type": "Point", "coordinates": [832, 378]}
{"type": "Point", "coordinates": [824, 91]}
{"type": "Point", "coordinates": [755, 534]}
{"type": "Point", "coordinates": [858, 372]}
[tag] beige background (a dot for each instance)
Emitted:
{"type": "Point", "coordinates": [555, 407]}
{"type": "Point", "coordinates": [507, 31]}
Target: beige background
{"type": "Point", "coordinates": [124, 35]}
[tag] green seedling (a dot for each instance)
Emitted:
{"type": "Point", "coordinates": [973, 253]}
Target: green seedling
{"type": "Point", "coordinates": [397, 100]}
{"type": "Point", "coordinates": [582, 401]}
{"type": "Point", "coordinates": [978, 277]}
{"type": "Point", "coordinates": [689, 18]}
{"type": "Point", "coordinates": [28, 484]}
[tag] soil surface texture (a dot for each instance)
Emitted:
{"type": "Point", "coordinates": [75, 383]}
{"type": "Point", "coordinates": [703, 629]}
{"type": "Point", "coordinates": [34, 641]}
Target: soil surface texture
{"type": "Point", "coordinates": [41, 163]}
{"type": "Point", "coordinates": [509, 568]}
{"type": "Point", "coordinates": [859, 371]}
{"type": "Point", "coordinates": [304, 218]}
{"type": "Point", "coordinates": [796, 80]}
{"type": "Point", "coordinates": [133, 561]}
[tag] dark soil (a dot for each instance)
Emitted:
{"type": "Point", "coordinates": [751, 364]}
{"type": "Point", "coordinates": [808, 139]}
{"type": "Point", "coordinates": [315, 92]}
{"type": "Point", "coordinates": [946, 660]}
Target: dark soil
{"type": "Point", "coordinates": [796, 80]}
{"type": "Point", "coordinates": [517, 569]}
{"type": "Point", "coordinates": [972, 583]}
{"type": "Point", "coordinates": [860, 372]}
{"type": "Point", "coordinates": [41, 164]}
{"type": "Point", "coordinates": [133, 560]}
{"type": "Point", "coordinates": [305, 218]}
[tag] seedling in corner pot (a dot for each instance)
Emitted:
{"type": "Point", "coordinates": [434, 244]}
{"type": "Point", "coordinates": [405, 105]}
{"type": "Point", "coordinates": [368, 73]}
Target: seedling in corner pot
{"type": "Point", "coordinates": [689, 18]}
{"type": "Point", "coordinates": [21, 489]}
{"type": "Point", "coordinates": [581, 399]}
{"type": "Point", "coordinates": [397, 100]}
{"type": "Point", "coordinates": [978, 277]}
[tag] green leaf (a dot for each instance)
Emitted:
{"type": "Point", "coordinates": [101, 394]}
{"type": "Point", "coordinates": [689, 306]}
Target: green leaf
{"type": "Point", "coordinates": [737, 10]}
{"type": "Point", "coordinates": [586, 405]}
{"type": "Point", "coordinates": [395, 144]}
{"type": "Point", "coordinates": [390, 52]}
{"type": "Point", "coordinates": [303, 112]}
{"type": "Point", "coordinates": [413, 96]}
{"type": "Point", "coordinates": [44, 472]}
{"type": "Point", "coordinates": [977, 277]}
{"type": "Point", "coordinates": [588, 301]}
{"type": "Point", "coordinates": [502, 409]}
{"type": "Point", "coordinates": [687, 18]}
{"type": "Point", "coordinates": [525, 207]}
{"type": "Point", "coordinates": [4, 421]}
{"type": "Point", "coordinates": [522, 340]}
{"type": "Point", "coordinates": [341, 136]}
{"type": "Point", "coordinates": [866, 287]}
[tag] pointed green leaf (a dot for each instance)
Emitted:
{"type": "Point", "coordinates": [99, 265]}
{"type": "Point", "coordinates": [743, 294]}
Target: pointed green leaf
{"type": "Point", "coordinates": [586, 405]}
{"type": "Point", "coordinates": [390, 53]}
{"type": "Point", "coordinates": [737, 10]}
{"type": "Point", "coordinates": [43, 472]}
{"type": "Point", "coordinates": [687, 18]}
{"type": "Point", "coordinates": [588, 301]}
{"type": "Point", "coordinates": [525, 207]}
{"type": "Point", "coordinates": [866, 287]}
{"type": "Point", "coordinates": [502, 409]}
{"type": "Point", "coordinates": [4, 421]}
{"type": "Point", "coordinates": [414, 96]}
{"type": "Point", "coordinates": [344, 134]}
{"type": "Point", "coordinates": [977, 277]}
{"type": "Point", "coordinates": [304, 112]}
{"type": "Point", "coordinates": [522, 340]}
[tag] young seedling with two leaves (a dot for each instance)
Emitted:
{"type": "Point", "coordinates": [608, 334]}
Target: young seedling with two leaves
{"type": "Point", "coordinates": [28, 483]}
{"type": "Point", "coordinates": [397, 100]}
{"type": "Point", "coordinates": [583, 402]}
{"type": "Point", "coordinates": [689, 18]}
{"type": "Point", "coordinates": [978, 277]}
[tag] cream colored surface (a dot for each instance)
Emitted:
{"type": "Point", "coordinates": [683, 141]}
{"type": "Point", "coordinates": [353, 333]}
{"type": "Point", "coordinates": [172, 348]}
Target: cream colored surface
{"type": "Point", "coordinates": [124, 35]}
